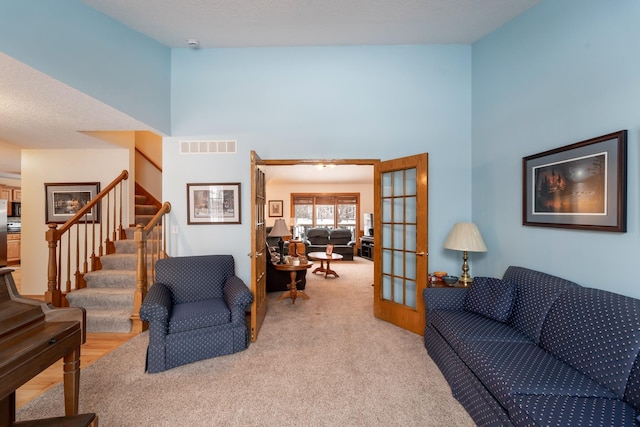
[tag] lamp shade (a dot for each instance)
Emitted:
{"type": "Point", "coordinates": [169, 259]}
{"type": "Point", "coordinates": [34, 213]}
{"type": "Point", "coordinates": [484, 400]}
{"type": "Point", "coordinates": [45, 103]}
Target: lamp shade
{"type": "Point", "coordinates": [465, 236]}
{"type": "Point", "coordinates": [280, 229]}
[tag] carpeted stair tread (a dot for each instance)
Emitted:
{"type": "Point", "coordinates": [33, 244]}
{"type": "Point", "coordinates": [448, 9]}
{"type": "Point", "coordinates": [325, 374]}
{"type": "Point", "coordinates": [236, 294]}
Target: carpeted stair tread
{"type": "Point", "coordinates": [111, 279]}
{"type": "Point", "coordinates": [125, 246]}
{"type": "Point", "coordinates": [146, 209]}
{"type": "Point", "coordinates": [118, 261]}
{"type": "Point", "coordinates": [143, 219]}
{"type": "Point", "coordinates": [121, 262]}
{"type": "Point", "coordinates": [99, 320]}
{"type": "Point", "coordinates": [102, 298]}
{"type": "Point", "coordinates": [140, 199]}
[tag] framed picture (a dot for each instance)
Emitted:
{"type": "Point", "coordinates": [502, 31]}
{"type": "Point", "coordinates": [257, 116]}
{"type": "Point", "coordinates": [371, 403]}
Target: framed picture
{"type": "Point", "coordinates": [580, 186]}
{"type": "Point", "coordinates": [275, 208]}
{"type": "Point", "coordinates": [213, 203]}
{"type": "Point", "coordinates": [64, 200]}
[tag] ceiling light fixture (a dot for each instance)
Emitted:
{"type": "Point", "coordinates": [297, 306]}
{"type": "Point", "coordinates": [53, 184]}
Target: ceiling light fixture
{"type": "Point", "coordinates": [193, 43]}
{"type": "Point", "coordinates": [323, 166]}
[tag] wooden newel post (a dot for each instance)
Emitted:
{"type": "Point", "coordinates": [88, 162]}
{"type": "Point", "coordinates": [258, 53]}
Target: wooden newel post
{"type": "Point", "coordinates": [138, 325]}
{"type": "Point", "coordinates": [53, 295]}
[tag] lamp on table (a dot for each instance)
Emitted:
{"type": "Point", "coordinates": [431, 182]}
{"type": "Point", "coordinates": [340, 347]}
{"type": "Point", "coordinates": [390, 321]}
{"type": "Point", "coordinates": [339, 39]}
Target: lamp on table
{"type": "Point", "coordinates": [280, 229]}
{"type": "Point", "coordinates": [465, 237]}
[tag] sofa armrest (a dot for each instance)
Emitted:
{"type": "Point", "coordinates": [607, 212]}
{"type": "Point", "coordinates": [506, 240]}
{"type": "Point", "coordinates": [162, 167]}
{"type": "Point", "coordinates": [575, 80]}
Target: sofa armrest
{"type": "Point", "coordinates": [444, 298]}
{"type": "Point", "coordinates": [352, 243]}
{"type": "Point", "coordinates": [237, 296]}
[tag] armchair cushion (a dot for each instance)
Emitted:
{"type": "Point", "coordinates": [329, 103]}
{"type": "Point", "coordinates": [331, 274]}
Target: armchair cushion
{"type": "Point", "coordinates": [199, 314]}
{"type": "Point", "coordinates": [192, 278]}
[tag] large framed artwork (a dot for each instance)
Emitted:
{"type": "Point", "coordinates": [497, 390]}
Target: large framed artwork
{"type": "Point", "coordinates": [213, 203]}
{"type": "Point", "coordinates": [64, 200]}
{"type": "Point", "coordinates": [579, 186]}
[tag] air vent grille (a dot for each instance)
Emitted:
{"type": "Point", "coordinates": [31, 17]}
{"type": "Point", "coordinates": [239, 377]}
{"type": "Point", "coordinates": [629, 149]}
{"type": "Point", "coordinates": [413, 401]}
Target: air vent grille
{"type": "Point", "coordinates": [213, 147]}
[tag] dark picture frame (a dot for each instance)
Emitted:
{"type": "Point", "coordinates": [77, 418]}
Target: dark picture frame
{"type": "Point", "coordinates": [63, 200]}
{"type": "Point", "coordinates": [579, 186]}
{"type": "Point", "coordinates": [213, 203]}
{"type": "Point", "coordinates": [275, 208]}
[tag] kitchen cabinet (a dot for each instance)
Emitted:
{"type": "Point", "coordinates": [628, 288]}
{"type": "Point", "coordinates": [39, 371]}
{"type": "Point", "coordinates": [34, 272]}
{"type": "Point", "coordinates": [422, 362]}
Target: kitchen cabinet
{"type": "Point", "coordinates": [13, 248]}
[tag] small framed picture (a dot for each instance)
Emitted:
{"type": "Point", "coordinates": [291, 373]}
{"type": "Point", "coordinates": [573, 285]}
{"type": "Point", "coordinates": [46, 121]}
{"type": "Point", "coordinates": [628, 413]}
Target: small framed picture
{"type": "Point", "coordinates": [65, 200]}
{"type": "Point", "coordinates": [213, 203]}
{"type": "Point", "coordinates": [275, 208]}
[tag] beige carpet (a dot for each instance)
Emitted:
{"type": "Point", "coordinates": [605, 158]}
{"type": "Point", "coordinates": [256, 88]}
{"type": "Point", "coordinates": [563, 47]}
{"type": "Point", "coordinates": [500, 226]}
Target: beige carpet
{"type": "Point", "coordinates": [325, 361]}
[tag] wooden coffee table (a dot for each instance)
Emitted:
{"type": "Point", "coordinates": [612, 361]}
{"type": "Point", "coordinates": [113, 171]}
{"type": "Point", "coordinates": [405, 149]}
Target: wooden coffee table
{"type": "Point", "coordinates": [293, 291]}
{"type": "Point", "coordinates": [322, 256]}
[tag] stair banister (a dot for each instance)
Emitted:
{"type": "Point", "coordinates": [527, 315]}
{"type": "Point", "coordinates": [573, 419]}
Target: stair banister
{"type": "Point", "coordinates": [53, 295]}
{"type": "Point", "coordinates": [143, 235]}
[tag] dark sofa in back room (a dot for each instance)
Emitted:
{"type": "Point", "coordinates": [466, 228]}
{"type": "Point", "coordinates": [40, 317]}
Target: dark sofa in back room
{"type": "Point", "coordinates": [341, 239]}
{"type": "Point", "coordinates": [532, 349]}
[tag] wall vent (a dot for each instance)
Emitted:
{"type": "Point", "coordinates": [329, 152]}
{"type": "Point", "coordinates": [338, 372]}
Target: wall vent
{"type": "Point", "coordinates": [197, 147]}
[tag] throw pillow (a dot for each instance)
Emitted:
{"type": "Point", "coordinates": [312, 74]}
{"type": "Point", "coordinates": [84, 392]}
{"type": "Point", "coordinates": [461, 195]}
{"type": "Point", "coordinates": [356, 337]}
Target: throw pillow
{"type": "Point", "coordinates": [490, 297]}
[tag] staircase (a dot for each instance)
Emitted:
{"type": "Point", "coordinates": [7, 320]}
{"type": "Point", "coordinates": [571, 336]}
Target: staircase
{"type": "Point", "coordinates": [108, 297]}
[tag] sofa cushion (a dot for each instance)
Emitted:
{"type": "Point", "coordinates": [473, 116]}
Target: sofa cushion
{"type": "Point", "coordinates": [199, 314]}
{"type": "Point", "coordinates": [632, 393]}
{"type": "Point", "coordinates": [596, 332]}
{"type": "Point", "coordinates": [340, 236]}
{"type": "Point", "coordinates": [510, 368]}
{"type": "Point", "coordinates": [535, 294]}
{"type": "Point", "coordinates": [318, 236]}
{"type": "Point", "coordinates": [537, 410]}
{"type": "Point", "coordinates": [457, 327]}
{"type": "Point", "coordinates": [490, 297]}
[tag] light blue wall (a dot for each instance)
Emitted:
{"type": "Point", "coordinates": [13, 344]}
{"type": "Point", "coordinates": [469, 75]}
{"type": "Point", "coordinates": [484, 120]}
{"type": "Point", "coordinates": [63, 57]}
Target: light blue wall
{"type": "Point", "coordinates": [563, 72]}
{"type": "Point", "coordinates": [314, 103]}
{"type": "Point", "coordinates": [92, 53]}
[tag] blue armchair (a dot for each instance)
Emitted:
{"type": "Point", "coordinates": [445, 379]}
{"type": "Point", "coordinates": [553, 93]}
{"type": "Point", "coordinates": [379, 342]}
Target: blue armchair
{"type": "Point", "coordinates": [196, 310]}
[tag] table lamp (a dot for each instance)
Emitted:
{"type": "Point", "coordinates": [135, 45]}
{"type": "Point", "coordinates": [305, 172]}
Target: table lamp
{"type": "Point", "coordinates": [280, 229]}
{"type": "Point", "coordinates": [465, 236]}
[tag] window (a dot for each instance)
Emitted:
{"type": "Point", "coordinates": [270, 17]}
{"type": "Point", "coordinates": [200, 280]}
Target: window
{"type": "Point", "coordinates": [338, 210]}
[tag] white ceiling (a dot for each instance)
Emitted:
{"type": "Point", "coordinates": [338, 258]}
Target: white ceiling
{"type": "Point", "coordinates": [241, 23]}
{"type": "Point", "coordinates": [336, 174]}
{"type": "Point", "coordinates": [40, 112]}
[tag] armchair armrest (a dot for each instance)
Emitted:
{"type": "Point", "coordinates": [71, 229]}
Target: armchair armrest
{"type": "Point", "coordinates": [157, 305]}
{"type": "Point", "coordinates": [237, 296]}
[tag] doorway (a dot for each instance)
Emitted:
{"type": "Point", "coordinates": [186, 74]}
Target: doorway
{"type": "Point", "coordinates": [400, 267]}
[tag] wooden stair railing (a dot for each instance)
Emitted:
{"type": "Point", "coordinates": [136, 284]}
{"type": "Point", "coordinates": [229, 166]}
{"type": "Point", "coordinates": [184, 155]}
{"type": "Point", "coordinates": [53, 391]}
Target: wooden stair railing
{"type": "Point", "coordinates": [75, 252]}
{"type": "Point", "coordinates": [151, 241]}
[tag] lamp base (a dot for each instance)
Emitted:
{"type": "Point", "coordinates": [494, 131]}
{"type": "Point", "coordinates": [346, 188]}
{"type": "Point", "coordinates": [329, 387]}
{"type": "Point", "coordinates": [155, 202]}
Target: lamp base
{"type": "Point", "coordinates": [465, 279]}
{"type": "Point", "coordinates": [281, 247]}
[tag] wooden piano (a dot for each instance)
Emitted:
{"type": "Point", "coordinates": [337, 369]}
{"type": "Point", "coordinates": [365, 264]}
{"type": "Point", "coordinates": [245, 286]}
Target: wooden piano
{"type": "Point", "coordinates": [33, 336]}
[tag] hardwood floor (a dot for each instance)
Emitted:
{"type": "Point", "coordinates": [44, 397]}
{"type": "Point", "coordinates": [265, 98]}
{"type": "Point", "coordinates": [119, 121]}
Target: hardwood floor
{"type": "Point", "coordinates": [97, 345]}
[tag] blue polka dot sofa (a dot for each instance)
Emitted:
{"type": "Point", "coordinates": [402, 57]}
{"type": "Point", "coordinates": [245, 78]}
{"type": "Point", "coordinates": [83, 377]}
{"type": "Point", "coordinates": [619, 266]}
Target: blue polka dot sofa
{"type": "Point", "coordinates": [196, 310]}
{"type": "Point", "coordinates": [532, 349]}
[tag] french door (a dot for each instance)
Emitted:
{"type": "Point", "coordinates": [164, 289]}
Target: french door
{"type": "Point", "coordinates": [400, 249]}
{"type": "Point", "coordinates": [258, 246]}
